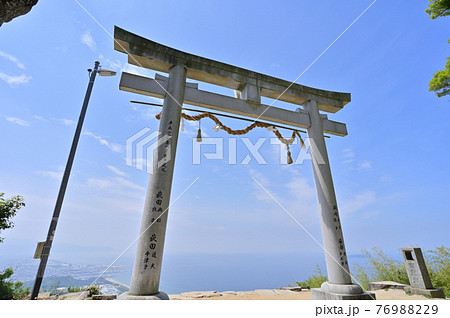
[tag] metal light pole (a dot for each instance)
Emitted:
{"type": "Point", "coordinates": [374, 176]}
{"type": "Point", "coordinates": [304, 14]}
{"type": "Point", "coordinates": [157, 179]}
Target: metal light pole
{"type": "Point", "coordinates": [62, 190]}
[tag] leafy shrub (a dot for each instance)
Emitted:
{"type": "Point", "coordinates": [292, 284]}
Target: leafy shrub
{"type": "Point", "coordinates": [360, 276]}
{"type": "Point", "coordinates": [53, 290]}
{"type": "Point", "coordinates": [94, 290]}
{"type": "Point", "coordinates": [315, 280]}
{"type": "Point", "coordinates": [381, 268]}
{"type": "Point", "coordinates": [10, 289]}
{"type": "Point", "coordinates": [438, 263]}
{"type": "Point", "coordinates": [72, 289]}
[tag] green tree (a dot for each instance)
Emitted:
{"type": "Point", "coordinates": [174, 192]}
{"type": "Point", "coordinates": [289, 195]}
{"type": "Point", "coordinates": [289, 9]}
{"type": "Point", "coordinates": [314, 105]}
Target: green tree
{"type": "Point", "coordinates": [8, 209]}
{"type": "Point", "coordinates": [10, 289]}
{"type": "Point", "coordinates": [438, 8]}
{"type": "Point", "coordinates": [440, 83]}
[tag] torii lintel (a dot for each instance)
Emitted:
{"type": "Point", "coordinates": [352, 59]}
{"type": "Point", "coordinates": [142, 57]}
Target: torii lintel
{"type": "Point", "coordinates": [152, 55]}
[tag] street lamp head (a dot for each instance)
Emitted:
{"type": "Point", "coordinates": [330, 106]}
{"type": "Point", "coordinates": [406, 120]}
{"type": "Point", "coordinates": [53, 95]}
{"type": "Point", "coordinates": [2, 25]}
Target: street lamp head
{"type": "Point", "coordinates": [105, 72]}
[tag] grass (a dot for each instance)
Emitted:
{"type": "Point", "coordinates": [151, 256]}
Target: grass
{"type": "Point", "coordinates": [315, 280]}
{"type": "Point", "coordinates": [383, 268]}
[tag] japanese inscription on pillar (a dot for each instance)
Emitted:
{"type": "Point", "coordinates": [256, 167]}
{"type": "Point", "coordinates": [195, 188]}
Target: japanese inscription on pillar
{"type": "Point", "coordinates": [337, 226]}
{"type": "Point", "coordinates": [151, 253]}
{"type": "Point", "coordinates": [167, 149]}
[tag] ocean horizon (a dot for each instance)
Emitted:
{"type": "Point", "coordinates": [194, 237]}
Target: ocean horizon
{"type": "Point", "coordinates": [206, 271]}
{"type": "Point", "coordinates": [237, 272]}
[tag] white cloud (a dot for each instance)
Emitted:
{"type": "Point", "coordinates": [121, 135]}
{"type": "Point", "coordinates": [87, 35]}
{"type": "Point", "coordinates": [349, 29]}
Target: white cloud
{"type": "Point", "coordinates": [386, 178]}
{"type": "Point", "coordinates": [117, 65]}
{"type": "Point", "coordinates": [291, 202]}
{"type": "Point", "coordinates": [65, 122]}
{"type": "Point", "coordinates": [118, 172]}
{"type": "Point", "coordinates": [260, 185]}
{"type": "Point", "coordinates": [349, 155]}
{"type": "Point", "coordinates": [98, 183]}
{"type": "Point", "coordinates": [15, 80]}
{"type": "Point", "coordinates": [39, 118]}
{"type": "Point", "coordinates": [349, 158]}
{"type": "Point", "coordinates": [88, 39]}
{"type": "Point", "coordinates": [116, 185]}
{"type": "Point", "coordinates": [146, 111]}
{"type": "Point", "coordinates": [365, 164]}
{"type": "Point", "coordinates": [114, 147]}
{"type": "Point", "coordinates": [17, 121]}
{"type": "Point", "coordinates": [51, 174]}
{"type": "Point", "coordinates": [300, 189]}
{"type": "Point", "coordinates": [371, 214]}
{"type": "Point", "coordinates": [358, 202]}
{"type": "Point", "coordinates": [300, 200]}
{"type": "Point", "coordinates": [133, 69]}
{"type": "Point", "coordinates": [12, 59]}
{"type": "Point", "coordinates": [62, 48]}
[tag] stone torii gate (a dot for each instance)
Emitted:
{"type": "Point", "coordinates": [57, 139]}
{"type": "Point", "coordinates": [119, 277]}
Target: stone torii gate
{"type": "Point", "coordinates": [249, 86]}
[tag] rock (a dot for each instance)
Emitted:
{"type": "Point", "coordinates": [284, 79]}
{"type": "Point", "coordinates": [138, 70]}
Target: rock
{"type": "Point", "coordinates": [386, 285]}
{"type": "Point", "coordinates": [46, 296]}
{"type": "Point", "coordinates": [270, 292]}
{"type": "Point", "coordinates": [82, 295]}
{"type": "Point", "coordinates": [10, 9]}
{"type": "Point", "coordinates": [176, 297]}
{"type": "Point", "coordinates": [295, 288]}
{"type": "Point", "coordinates": [428, 292]}
{"type": "Point", "coordinates": [255, 293]}
{"type": "Point", "coordinates": [104, 297]}
{"type": "Point", "coordinates": [265, 292]}
{"type": "Point", "coordinates": [200, 294]}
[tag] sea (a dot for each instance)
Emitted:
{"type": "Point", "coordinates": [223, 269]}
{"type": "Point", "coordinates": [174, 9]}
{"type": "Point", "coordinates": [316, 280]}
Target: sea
{"type": "Point", "coordinates": [185, 272]}
{"type": "Point", "coordinates": [236, 272]}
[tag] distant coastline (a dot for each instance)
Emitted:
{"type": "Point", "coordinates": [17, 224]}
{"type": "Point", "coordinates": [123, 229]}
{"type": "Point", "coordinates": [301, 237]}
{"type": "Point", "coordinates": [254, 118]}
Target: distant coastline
{"type": "Point", "coordinates": [192, 272]}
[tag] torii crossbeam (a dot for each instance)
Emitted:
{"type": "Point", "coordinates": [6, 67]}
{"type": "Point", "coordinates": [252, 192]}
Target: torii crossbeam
{"type": "Point", "coordinates": [249, 86]}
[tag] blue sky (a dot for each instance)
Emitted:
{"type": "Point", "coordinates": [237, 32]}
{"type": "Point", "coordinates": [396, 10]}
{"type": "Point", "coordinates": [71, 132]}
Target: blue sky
{"type": "Point", "coordinates": [390, 172]}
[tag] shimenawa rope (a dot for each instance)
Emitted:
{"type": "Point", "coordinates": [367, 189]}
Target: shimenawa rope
{"type": "Point", "coordinates": [277, 133]}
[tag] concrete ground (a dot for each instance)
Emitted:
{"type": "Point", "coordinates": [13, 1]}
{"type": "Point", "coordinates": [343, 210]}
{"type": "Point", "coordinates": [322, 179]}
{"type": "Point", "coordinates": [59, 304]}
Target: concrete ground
{"type": "Point", "coordinates": [259, 294]}
{"type": "Point", "coordinates": [276, 294]}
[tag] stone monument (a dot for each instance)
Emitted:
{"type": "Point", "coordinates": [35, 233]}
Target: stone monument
{"type": "Point", "coordinates": [419, 278]}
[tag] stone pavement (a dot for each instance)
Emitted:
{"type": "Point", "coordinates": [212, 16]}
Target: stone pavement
{"type": "Point", "coordinates": [254, 294]}
{"type": "Point", "coordinates": [282, 294]}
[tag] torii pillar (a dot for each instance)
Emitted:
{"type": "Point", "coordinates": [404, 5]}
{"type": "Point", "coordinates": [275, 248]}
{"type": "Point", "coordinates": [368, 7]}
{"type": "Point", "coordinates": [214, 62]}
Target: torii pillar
{"type": "Point", "coordinates": [147, 264]}
{"type": "Point", "coordinates": [339, 285]}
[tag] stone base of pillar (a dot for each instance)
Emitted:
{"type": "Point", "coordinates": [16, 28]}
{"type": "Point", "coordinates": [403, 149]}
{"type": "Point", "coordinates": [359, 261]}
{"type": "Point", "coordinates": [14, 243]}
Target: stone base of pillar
{"type": "Point", "coordinates": [433, 292]}
{"type": "Point", "coordinates": [159, 296]}
{"type": "Point", "coordinates": [318, 294]}
{"type": "Point", "coordinates": [340, 292]}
